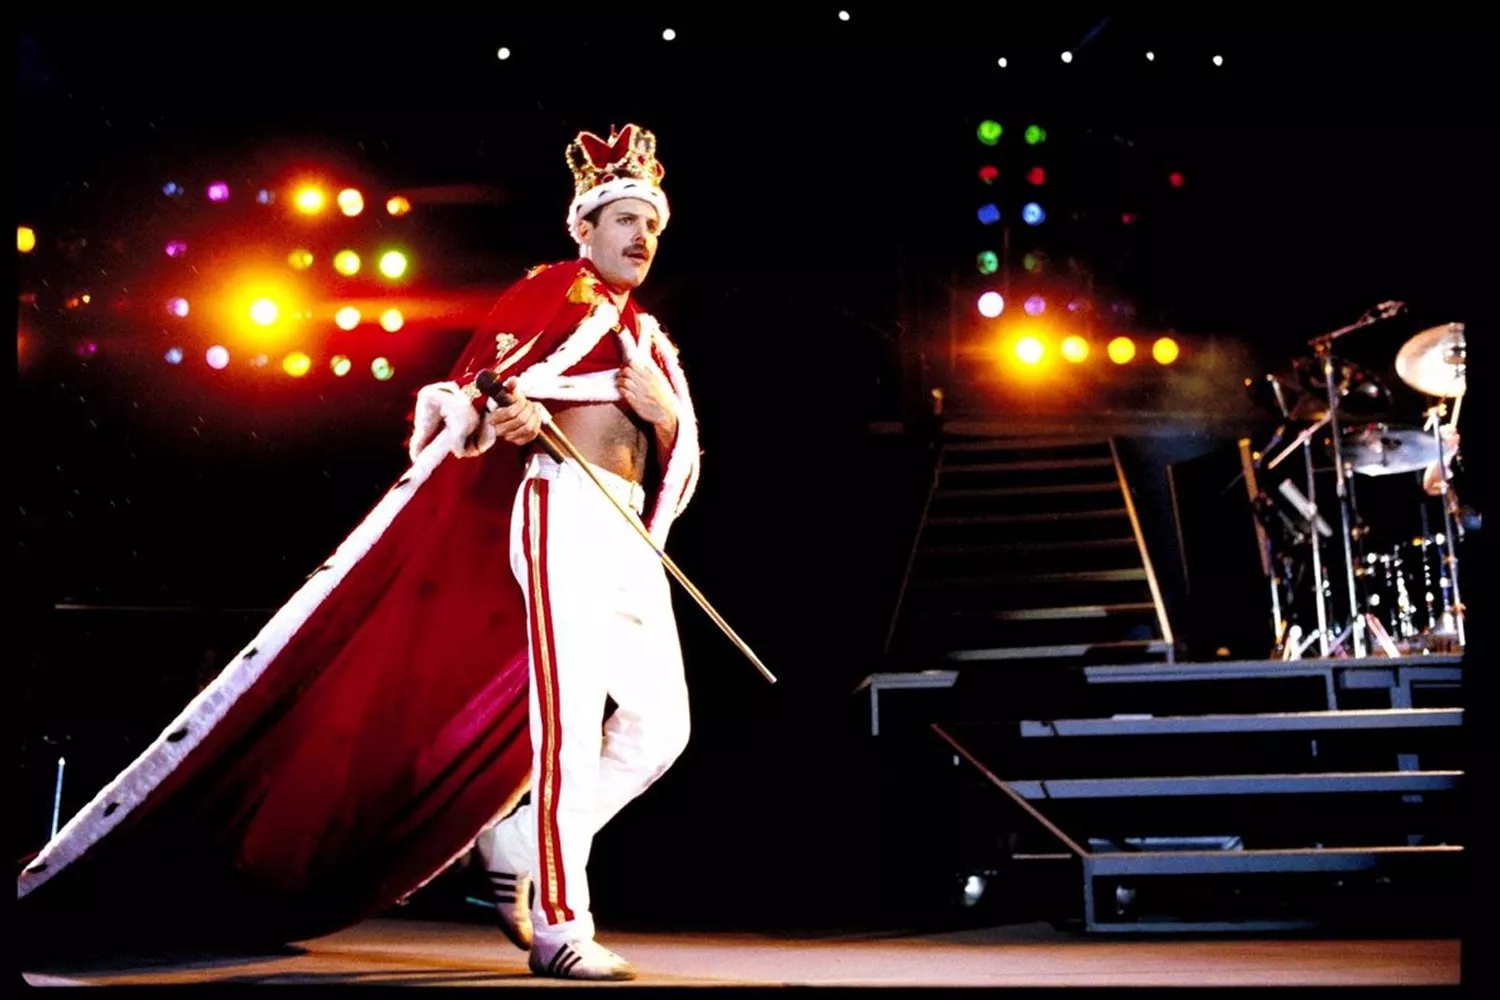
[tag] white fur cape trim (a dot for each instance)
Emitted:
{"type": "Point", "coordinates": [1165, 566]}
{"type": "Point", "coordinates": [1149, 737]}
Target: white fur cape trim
{"type": "Point", "coordinates": [115, 801]}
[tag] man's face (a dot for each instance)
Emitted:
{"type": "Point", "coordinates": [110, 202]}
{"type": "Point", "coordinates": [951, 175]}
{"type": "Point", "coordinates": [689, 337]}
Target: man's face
{"type": "Point", "coordinates": [623, 244]}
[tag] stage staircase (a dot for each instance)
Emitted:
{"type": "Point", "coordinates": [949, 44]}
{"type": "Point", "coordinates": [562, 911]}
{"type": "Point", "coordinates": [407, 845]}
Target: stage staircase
{"type": "Point", "coordinates": [1029, 549]}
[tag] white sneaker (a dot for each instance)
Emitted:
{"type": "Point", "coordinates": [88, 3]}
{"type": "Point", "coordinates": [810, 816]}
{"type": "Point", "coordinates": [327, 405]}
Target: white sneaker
{"type": "Point", "coordinates": [512, 897]}
{"type": "Point", "coordinates": [580, 960]}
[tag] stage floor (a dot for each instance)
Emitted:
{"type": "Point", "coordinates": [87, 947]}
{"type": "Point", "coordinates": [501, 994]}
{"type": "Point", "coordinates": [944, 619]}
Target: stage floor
{"type": "Point", "coordinates": [427, 953]}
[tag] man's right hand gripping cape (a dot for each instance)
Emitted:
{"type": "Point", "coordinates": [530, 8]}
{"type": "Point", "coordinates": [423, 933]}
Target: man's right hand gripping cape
{"type": "Point", "coordinates": [379, 721]}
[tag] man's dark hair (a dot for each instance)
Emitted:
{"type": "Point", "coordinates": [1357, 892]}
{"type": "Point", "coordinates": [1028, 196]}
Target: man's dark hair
{"type": "Point", "coordinates": [593, 217]}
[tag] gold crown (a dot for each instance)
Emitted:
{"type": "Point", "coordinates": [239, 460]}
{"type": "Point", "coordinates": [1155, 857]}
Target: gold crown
{"type": "Point", "coordinates": [631, 152]}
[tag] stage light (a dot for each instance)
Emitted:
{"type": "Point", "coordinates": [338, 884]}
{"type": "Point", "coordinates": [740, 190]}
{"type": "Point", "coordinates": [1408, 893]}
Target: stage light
{"type": "Point", "coordinates": [176, 248]}
{"type": "Point", "coordinates": [397, 205]}
{"type": "Point", "coordinates": [300, 259]}
{"type": "Point", "coordinates": [177, 306]}
{"type": "Point", "coordinates": [391, 320]}
{"type": "Point", "coordinates": [1030, 350]}
{"type": "Point", "coordinates": [1151, 57]}
{"type": "Point", "coordinates": [1037, 176]}
{"type": "Point", "coordinates": [217, 357]}
{"type": "Point", "coordinates": [990, 132]}
{"type": "Point", "coordinates": [347, 318]}
{"type": "Point", "coordinates": [1033, 214]}
{"type": "Point", "coordinates": [296, 364]}
{"type": "Point", "coordinates": [259, 361]}
{"type": "Point", "coordinates": [218, 191]}
{"type": "Point", "coordinates": [1003, 63]}
{"type": "Point", "coordinates": [1176, 179]}
{"type": "Point", "coordinates": [843, 15]}
{"type": "Point", "coordinates": [1036, 305]}
{"type": "Point", "coordinates": [351, 202]}
{"type": "Point", "coordinates": [1218, 60]}
{"type": "Point", "coordinates": [263, 312]}
{"type": "Point", "coordinates": [989, 214]}
{"type": "Point", "coordinates": [174, 355]}
{"type": "Point", "coordinates": [346, 262]}
{"type": "Point", "coordinates": [1031, 261]}
{"type": "Point", "coordinates": [991, 304]}
{"type": "Point", "coordinates": [1067, 57]}
{"type": "Point", "coordinates": [668, 35]}
{"type": "Point", "coordinates": [340, 365]}
{"type": "Point", "coordinates": [1128, 219]}
{"type": "Point", "coordinates": [310, 201]}
{"type": "Point", "coordinates": [503, 54]}
{"type": "Point", "coordinates": [988, 262]}
{"type": "Point", "coordinates": [25, 239]}
{"type": "Point", "coordinates": [1035, 135]}
{"type": "Point", "coordinates": [171, 189]}
{"type": "Point", "coordinates": [73, 302]}
{"type": "Point", "coordinates": [1121, 350]}
{"type": "Point", "coordinates": [393, 263]}
{"type": "Point", "coordinates": [86, 350]}
{"type": "Point", "coordinates": [989, 173]}
{"type": "Point", "coordinates": [381, 369]}
{"type": "Point", "coordinates": [265, 196]}
{"type": "Point", "coordinates": [1165, 351]}
{"type": "Point", "coordinates": [1075, 348]}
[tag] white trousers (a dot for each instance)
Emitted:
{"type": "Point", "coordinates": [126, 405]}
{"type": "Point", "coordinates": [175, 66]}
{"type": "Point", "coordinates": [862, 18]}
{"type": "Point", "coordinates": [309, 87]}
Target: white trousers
{"type": "Point", "coordinates": [601, 624]}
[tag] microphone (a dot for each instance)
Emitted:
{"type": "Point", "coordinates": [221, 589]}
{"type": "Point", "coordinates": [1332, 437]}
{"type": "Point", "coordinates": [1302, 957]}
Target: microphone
{"type": "Point", "coordinates": [492, 386]}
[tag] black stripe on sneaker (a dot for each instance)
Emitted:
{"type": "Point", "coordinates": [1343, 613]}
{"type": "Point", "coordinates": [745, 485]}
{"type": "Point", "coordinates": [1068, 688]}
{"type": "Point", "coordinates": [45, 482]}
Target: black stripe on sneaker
{"type": "Point", "coordinates": [562, 954]}
{"type": "Point", "coordinates": [569, 965]}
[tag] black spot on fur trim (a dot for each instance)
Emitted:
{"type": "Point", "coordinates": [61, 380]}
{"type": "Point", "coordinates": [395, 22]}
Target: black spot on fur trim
{"type": "Point", "coordinates": [402, 481]}
{"type": "Point", "coordinates": [109, 810]}
{"type": "Point", "coordinates": [320, 569]}
{"type": "Point", "coordinates": [37, 868]}
{"type": "Point", "coordinates": [174, 737]}
{"type": "Point", "coordinates": [249, 653]}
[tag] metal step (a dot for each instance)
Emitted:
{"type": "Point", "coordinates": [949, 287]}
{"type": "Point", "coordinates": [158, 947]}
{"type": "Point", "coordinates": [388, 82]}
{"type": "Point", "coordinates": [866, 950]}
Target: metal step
{"type": "Point", "coordinates": [1348, 859]}
{"type": "Point", "coordinates": [1069, 515]}
{"type": "Point", "coordinates": [1034, 465]}
{"type": "Point", "coordinates": [1027, 444]}
{"type": "Point", "coordinates": [1030, 547]}
{"type": "Point", "coordinates": [1029, 579]}
{"type": "Point", "coordinates": [1236, 784]}
{"type": "Point", "coordinates": [1071, 651]}
{"type": "Point", "coordinates": [1020, 491]}
{"type": "Point", "coordinates": [1288, 722]}
{"type": "Point", "coordinates": [1071, 613]}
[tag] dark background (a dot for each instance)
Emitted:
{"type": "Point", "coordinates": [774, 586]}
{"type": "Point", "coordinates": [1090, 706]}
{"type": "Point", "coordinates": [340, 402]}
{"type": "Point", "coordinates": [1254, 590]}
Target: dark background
{"type": "Point", "coordinates": [821, 176]}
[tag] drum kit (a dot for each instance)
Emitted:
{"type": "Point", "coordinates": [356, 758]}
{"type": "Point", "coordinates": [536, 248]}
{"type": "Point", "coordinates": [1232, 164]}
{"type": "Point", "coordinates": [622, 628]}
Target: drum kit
{"type": "Point", "coordinates": [1399, 599]}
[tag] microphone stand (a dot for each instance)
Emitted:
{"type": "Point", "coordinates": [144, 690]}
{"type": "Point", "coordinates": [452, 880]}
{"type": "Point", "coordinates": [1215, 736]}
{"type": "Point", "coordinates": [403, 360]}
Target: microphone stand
{"type": "Point", "coordinates": [1323, 348]}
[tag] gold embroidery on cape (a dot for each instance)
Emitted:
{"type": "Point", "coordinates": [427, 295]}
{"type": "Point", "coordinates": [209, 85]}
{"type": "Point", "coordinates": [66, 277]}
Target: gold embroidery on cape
{"type": "Point", "coordinates": [536, 271]}
{"type": "Point", "coordinates": [586, 290]}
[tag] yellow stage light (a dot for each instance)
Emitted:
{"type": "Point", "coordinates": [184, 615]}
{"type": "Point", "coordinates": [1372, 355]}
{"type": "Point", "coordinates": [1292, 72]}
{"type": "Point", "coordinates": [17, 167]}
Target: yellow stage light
{"type": "Point", "coordinates": [310, 201]}
{"type": "Point", "coordinates": [300, 259]}
{"type": "Point", "coordinates": [25, 239]}
{"type": "Point", "coordinates": [1030, 350]}
{"type": "Point", "coordinates": [346, 262]}
{"type": "Point", "coordinates": [1075, 349]}
{"type": "Point", "coordinates": [1165, 351]}
{"type": "Point", "coordinates": [393, 263]}
{"type": "Point", "coordinates": [351, 202]}
{"type": "Point", "coordinates": [264, 312]}
{"type": "Point", "coordinates": [397, 205]}
{"type": "Point", "coordinates": [341, 365]}
{"type": "Point", "coordinates": [347, 318]}
{"type": "Point", "coordinates": [296, 364]}
{"type": "Point", "coordinates": [392, 320]}
{"type": "Point", "coordinates": [1121, 350]}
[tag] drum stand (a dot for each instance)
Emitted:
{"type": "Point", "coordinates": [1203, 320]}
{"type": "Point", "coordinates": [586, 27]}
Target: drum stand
{"type": "Point", "coordinates": [1324, 348]}
{"type": "Point", "coordinates": [1308, 507]}
{"type": "Point", "coordinates": [1453, 608]}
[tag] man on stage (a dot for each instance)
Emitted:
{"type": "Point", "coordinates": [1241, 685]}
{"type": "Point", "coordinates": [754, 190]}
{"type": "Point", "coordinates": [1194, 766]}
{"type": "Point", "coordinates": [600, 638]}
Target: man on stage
{"type": "Point", "coordinates": [375, 729]}
{"type": "Point", "coordinates": [598, 599]}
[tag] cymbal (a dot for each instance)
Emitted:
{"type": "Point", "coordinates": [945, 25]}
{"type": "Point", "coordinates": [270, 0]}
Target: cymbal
{"type": "Point", "coordinates": [1432, 362]}
{"type": "Point", "coordinates": [1386, 450]}
{"type": "Point", "coordinates": [1358, 389]}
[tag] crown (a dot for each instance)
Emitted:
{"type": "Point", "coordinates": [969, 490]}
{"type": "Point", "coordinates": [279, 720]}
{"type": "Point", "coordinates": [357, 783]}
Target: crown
{"type": "Point", "coordinates": [605, 170]}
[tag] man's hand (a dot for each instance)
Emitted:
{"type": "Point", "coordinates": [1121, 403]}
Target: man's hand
{"type": "Point", "coordinates": [647, 393]}
{"type": "Point", "coordinates": [518, 423]}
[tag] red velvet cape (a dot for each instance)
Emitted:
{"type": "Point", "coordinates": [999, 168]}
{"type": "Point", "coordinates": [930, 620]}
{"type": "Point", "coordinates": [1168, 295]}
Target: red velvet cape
{"type": "Point", "coordinates": [359, 744]}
